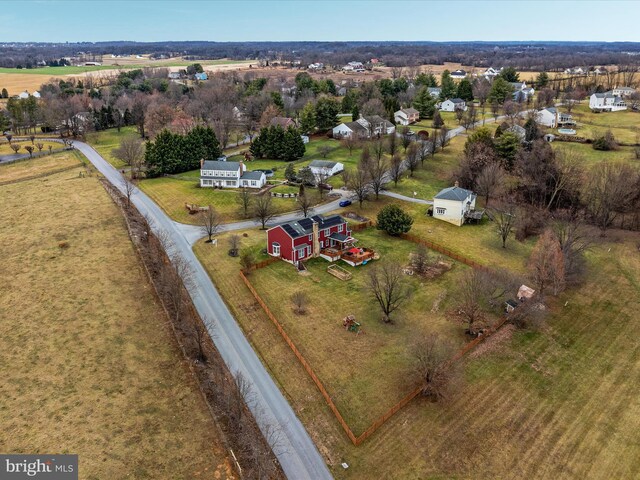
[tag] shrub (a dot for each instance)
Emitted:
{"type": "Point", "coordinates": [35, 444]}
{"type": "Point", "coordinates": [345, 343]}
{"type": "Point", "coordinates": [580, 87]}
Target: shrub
{"type": "Point", "coordinates": [606, 142]}
{"type": "Point", "coordinates": [393, 220]}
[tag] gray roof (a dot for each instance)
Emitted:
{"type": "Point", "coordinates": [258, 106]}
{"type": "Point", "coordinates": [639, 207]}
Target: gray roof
{"type": "Point", "coordinates": [458, 72]}
{"type": "Point", "coordinates": [410, 111]}
{"type": "Point", "coordinates": [456, 100]}
{"type": "Point", "coordinates": [323, 164]}
{"type": "Point", "coordinates": [604, 95]}
{"type": "Point", "coordinates": [252, 175]}
{"type": "Point", "coordinates": [304, 226]}
{"type": "Point", "coordinates": [340, 237]}
{"type": "Point", "coordinates": [216, 165]}
{"type": "Point", "coordinates": [377, 119]}
{"type": "Point", "coordinates": [356, 127]}
{"type": "Point", "coordinates": [454, 193]}
{"type": "Point", "coordinates": [551, 109]}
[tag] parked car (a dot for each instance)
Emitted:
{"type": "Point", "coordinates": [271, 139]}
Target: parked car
{"type": "Point", "coordinates": [325, 186]}
{"type": "Point", "coordinates": [222, 158]}
{"type": "Point", "coordinates": [345, 203]}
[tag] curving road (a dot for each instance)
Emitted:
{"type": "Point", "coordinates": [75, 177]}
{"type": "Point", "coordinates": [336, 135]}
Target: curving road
{"type": "Point", "coordinates": [296, 451]}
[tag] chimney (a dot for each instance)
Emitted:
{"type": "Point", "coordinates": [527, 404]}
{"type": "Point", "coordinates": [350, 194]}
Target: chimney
{"type": "Point", "coordinates": [241, 167]}
{"type": "Point", "coordinates": [316, 241]}
{"type": "Point", "coordinates": [201, 163]}
{"type": "Point", "coordinates": [456, 184]}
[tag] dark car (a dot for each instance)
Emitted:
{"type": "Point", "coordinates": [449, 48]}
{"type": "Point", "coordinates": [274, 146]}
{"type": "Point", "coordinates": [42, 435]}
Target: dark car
{"type": "Point", "coordinates": [345, 203]}
{"type": "Point", "coordinates": [325, 186]}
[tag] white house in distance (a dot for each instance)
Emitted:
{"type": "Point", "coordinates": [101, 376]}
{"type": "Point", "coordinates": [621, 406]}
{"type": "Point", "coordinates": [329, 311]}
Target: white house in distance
{"type": "Point", "coordinates": [214, 173]}
{"type": "Point", "coordinates": [434, 91]}
{"type": "Point", "coordinates": [453, 204]}
{"type": "Point", "coordinates": [606, 102]}
{"type": "Point", "coordinates": [551, 117]}
{"type": "Point", "coordinates": [458, 74]}
{"type": "Point", "coordinates": [407, 116]}
{"type": "Point", "coordinates": [26, 94]}
{"type": "Point", "coordinates": [623, 91]}
{"type": "Point", "coordinates": [364, 127]}
{"type": "Point", "coordinates": [453, 104]}
{"type": "Point", "coordinates": [491, 73]}
{"type": "Point", "coordinates": [323, 169]}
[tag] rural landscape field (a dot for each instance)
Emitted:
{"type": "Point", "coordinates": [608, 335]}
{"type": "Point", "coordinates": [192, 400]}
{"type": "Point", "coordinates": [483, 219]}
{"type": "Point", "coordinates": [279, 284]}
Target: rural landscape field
{"type": "Point", "coordinates": [331, 256]}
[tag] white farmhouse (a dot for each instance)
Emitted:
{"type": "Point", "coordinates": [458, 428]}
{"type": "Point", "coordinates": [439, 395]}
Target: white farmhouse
{"type": "Point", "coordinates": [453, 104]}
{"type": "Point", "coordinates": [623, 91]}
{"type": "Point", "coordinates": [453, 204]}
{"type": "Point", "coordinates": [406, 116]}
{"type": "Point", "coordinates": [214, 173]}
{"type": "Point", "coordinates": [458, 74]}
{"type": "Point", "coordinates": [606, 102]}
{"type": "Point", "coordinates": [550, 117]}
{"type": "Point", "coordinates": [323, 169]}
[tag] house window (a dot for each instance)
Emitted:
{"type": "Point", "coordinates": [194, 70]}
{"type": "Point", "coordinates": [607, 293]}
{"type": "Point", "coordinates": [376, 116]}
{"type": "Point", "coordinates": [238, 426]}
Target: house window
{"type": "Point", "coordinates": [440, 210]}
{"type": "Point", "coordinates": [275, 248]}
{"type": "Point", "coordinates": [253, 183]}
{"type": "Point", "coordinates": [231, 183]}
{"type": "Point", "coordinates": [310, 238]}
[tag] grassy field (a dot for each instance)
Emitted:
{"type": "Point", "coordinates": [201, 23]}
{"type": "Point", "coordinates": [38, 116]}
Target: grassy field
{"type": "Point", "coordinates": [625, 125]}
{"type": "Point", "coordinates": [89, 362]}
{"type": "Point", "coordinates": [171, 194]}
{"type": "Point", "coordinates": [535, 405]}
{"type": "Point", "coordinates": [365, 374]}
{"type": "Point", "coordinates": [36, 166]}
{"type": "Point", "coordinates": [105, 141]}
{"type": "Point", "coordinates": [591, 157]}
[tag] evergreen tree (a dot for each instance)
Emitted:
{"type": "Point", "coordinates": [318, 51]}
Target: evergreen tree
{"type": "Point", "coordinates": [501, 91]}
{"type": "Point", "coordinates": [292, 146]}
{"type": "Point", "coordinates": [448, 87]}
{"type": "Point", "coordinates": [427, 80]}
{"type": "Point", "coordinates": [5, 93]}
{"type": "Point", "coordinates": [542, 80]}
{"type": "Point", "coordinates": [355, 113]}
{"type": "Point", "coordinates": [506, 147]}
{"type": "Point", "coordinates": [308, 119]}
{"type": "Point", "coordinates": [424, 103]}
{"type": "Point", "coordinates": [393, 220]}
{"type": "Point", "coordinates": [276, 97]}
{"type": "Point", "coordinates": [290, 172]}
{"type": "Point", "coordinates": [532, 131]}
{"type": "Point", "coordinates": [509, 74]}
{"type": "Point", "coordinates": [327, 111]}
{"type": "Point", "coordinates": [465, 90]}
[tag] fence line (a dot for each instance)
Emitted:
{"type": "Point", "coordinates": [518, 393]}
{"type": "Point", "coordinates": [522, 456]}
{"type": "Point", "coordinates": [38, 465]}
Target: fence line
{"type": "Point", "coordinates": [41, 175]}
{"type": "Point", "coordinates": [303, 361]}
{"type": "Point", "coordinates": [300, 357]}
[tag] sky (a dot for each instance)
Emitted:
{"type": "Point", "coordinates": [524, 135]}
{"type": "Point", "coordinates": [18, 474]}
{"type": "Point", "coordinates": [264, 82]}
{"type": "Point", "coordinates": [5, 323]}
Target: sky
{"type": "Point", "coordinates": [318, 20]}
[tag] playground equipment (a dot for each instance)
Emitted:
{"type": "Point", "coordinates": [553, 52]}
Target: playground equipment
{"type": "Point", "coordinates": [349, 323]}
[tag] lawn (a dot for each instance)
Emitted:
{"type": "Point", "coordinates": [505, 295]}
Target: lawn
{"type": "Point", "coordinates": [535, 405]}
{"type": "Point", "coordinates": [105, 141]}
{"type": "Point", "coordinates": [90, 364]}
{"type": "Point", "coordinates": [625, 125]}
{"type": "Point", "coordinates": [592, 157]}
{"type": "Point", "coordinates": [13, 171]}
{"type": "Point", "coordinates": [57, 71]}
{"type": "Point", "coordinates": [171, 194]}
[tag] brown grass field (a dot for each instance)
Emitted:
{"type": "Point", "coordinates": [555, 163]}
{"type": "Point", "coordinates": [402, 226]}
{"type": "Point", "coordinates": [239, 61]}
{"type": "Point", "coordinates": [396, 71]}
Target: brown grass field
{"type": "Point", "coordinates": [561, 403]}
{"type": "Point", "coordinates": [89, 362]}
{"type": "Point", "coordinates": [36, 166]}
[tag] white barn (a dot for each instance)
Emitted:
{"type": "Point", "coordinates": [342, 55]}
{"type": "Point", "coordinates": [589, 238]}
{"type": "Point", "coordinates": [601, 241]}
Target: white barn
{"type": "Point", "coordinates": [452, 204]}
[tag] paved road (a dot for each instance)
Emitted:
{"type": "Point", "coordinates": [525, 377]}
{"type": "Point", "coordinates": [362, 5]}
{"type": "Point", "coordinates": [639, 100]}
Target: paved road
{"type": "Point", "coordinates": [297, 454]}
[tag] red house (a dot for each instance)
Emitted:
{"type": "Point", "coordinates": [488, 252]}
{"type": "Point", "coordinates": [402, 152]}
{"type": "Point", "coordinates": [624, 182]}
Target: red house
{"type": "Point", "coordinates": [309, 237]}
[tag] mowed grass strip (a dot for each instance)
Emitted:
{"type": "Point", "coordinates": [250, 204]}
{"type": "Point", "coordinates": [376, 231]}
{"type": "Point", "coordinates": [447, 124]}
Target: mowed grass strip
{"type": "Point", "coordinates": [20, 169]}
{"type": "Point", "coordinates": [89, 361]}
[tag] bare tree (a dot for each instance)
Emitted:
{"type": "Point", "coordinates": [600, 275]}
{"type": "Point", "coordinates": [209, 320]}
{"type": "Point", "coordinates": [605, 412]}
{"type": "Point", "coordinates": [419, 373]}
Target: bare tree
{"type": "Point", "coordinates": [304, 205]}
{"type": "Point", "coordinates": [210, 222]}
{"type": "Point", "coordinates": [263, 209]}
{"type": "Point", "coordinates": [299, 300]}
{"type": "Point", "coordinates": [388, 286]}
{"type": "Point", "coordinates": [350, 143]}
{"type": "Point", "coordinates": [407, 138]}
{"type": "Point", "coordinates": [39, 146]}
{"type": "Point", "coordinates": [128, 187]}
{"type": "Point", "coordinates": [504, 219]}
{"type": "Point", "coordinates": [15, 147]}
{"type": "Point", "coordinates": [247, 259]}
{"type": "Point", "coordinates": [413, 158]}
{"type": "Point", "coordinates": [29, 148]}
{"type": "Point", "coordinates": [489, 181]}
{"type": "Point", "coordinates": [395, 168]}
{"type": "Point", "coordinates": [377, 147]}
{"type": "Point", "coordinates": [177, 282]}
{"type": "Point", "coordinates": [566, 175]}
{"type": "Point", "coordinates": [234, 245]}
{"type": "Point", "coordinates": [325, 150]}
{"type": "Point", "coordinates": [440, 376]}
{"type": "Point", "coordinates": [574, 242]}
{"type": "Point", "coordinates": [377, 171]}
{"type": "Point", "coordinates": [131, 152]}
{"type": "Point", "coordinates": [245, 200]}
{"type": "Point", "coordinates": [443, 137]}
{"type": "Point", "coordinates": [201, 333]}
{"type": "Point", "coordinates": [392, 145]}
{"type": "Point", "coordinates": [470, 300]}
{"type": "Point", "coordinates": [358, 182]}
{"type": "Point", "coordinates": [546, 264]}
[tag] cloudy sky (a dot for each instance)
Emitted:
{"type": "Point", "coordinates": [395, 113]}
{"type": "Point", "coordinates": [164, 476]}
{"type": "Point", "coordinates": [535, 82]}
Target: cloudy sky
{"type": "Point", "coordinates": [157, 20]}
